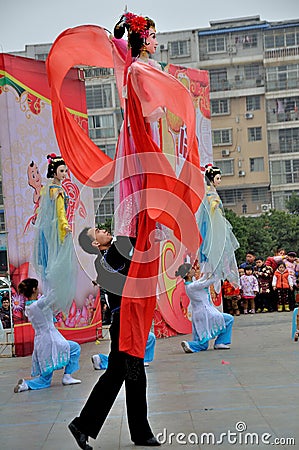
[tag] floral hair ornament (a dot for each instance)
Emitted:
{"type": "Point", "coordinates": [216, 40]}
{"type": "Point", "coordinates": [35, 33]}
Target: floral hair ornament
{"type": "Point", "coordinates": [137, 24]}
{"type": "Point", "coordinates": [51, 157]}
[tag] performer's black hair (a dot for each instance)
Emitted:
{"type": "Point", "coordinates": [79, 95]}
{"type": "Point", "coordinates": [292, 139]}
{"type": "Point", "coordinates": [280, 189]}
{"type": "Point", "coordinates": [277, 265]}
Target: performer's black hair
{"type": "Point", "coordinates": [85, 242]}
{"type": "Point", "coordinates": [211, 172]}
{"type": "Point", "coordinates": [27, 286]}
{"type": "Point", "coordinates": [135, 41]}
{"type": "Point", "coordinates": [54, 162]}
{"type": "Point", "coordinates": [183, 270]}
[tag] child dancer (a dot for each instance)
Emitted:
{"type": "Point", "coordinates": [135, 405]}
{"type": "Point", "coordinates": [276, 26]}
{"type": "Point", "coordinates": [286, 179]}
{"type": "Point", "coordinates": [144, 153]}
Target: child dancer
{"type": "Point", "coordinates": [51, 350]}
{"type": "Point", "coordinates": [282, 282]}
{"type": "Point", "coordinates": [249, 289]}
{"type": "Point", "coordinates": [207, 322]}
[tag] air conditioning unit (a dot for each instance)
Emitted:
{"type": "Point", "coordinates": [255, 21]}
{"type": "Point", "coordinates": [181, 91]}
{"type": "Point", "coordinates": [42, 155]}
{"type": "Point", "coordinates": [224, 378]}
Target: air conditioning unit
{"type": "Point", "coordinates": [266, 207]}
{"type": "Point", "coordinates": [231, 49]}
{"type": "Point", "coordinates": [249, 116]}
{"type": "Point", "coordinates": [242, 173]}
{"type": "Point", "coordinates": [163, 46]}
{"type": "Point", "coordinates": [225, 152]}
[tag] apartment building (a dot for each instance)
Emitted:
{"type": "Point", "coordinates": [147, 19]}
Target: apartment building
{"type": "Point", "coordinates": [254, 79]}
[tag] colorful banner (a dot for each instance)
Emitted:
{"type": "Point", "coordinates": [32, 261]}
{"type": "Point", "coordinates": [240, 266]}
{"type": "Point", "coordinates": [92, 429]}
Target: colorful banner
{"type": "Point", "coordinates": [172, 315]}
{"type": "Point", "coordinates": [27, 137]}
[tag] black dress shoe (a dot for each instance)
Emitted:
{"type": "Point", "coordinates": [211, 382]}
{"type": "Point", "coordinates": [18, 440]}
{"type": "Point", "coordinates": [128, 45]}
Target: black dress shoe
{"type": "Point", "coordinates": [81, 438]}
{"type": "Point", "coordinates": [151, 442]}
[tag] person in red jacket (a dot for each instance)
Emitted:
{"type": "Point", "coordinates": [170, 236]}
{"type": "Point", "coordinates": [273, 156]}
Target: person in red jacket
{"type": "Point", "coordinates": [231, 296]}
{"type": "Point", "coordinates": [282, 283]}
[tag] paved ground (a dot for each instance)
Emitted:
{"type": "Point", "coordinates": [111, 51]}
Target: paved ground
{"type": "Point", "coordinates": [254, 386]}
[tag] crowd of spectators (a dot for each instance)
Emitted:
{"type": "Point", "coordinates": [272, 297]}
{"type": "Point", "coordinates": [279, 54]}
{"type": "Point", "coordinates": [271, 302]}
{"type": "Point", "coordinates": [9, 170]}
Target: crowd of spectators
{"type": "Point", "coordinates": [268, 284]}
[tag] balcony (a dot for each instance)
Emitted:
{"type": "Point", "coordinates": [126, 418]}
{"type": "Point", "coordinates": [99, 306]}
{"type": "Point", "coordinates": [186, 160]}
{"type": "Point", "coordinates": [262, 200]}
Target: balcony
{"type": "Point", "coordinates": [281, 53]}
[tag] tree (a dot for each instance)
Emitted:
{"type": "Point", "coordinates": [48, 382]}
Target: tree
{"type": "Point", "coordinates": [293, 204]}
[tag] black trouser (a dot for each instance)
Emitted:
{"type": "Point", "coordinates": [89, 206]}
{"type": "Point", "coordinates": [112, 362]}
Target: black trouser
{"type": "Point", "coordinates": [121, 368]}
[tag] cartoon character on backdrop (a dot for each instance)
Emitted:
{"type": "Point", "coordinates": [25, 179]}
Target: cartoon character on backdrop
{"type": "Point", "coordinates": [34, 181]}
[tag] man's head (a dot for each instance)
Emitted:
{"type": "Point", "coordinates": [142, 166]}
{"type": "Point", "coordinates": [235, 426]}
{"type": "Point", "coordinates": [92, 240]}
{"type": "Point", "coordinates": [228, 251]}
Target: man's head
{"type": "Point", "coordinates": [93, 240]}
{"type": "Point", "coordinates": [259, 261]}
{"type": "Point", "coordinates": [250, 257]}
{"type": "Point", "coordinates": [5, 303]}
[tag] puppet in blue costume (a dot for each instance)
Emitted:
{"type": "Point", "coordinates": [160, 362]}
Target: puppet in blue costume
{"type": "Point", "coordinates": [54, 256]}
{"type": "Point", "coordinates": [217, 251]}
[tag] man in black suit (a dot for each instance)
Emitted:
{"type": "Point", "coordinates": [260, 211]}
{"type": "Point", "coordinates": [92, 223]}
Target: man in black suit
{"type": "Point", "coordinates": [112, 266]}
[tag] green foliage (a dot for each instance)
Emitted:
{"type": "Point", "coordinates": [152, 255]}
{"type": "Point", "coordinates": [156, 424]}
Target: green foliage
{"type": "Point", "coordinates": [107, 225]}
{"type": "Point", "coordinates": [293, 204]}
{"type": "Point", "coordinates": [266, 233]}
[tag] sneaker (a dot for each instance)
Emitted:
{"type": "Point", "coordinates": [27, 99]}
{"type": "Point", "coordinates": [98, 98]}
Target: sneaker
{"type": "Point", "coordinates": [252, 311]}
{"type": "Point", "coordinates": [296, 336]}
{"type": "Point", "coordinates": [221, 347]}
{"type": "Point", "coordinates": [237, 312]}
{"type": "Point", "coordinates": [265, 310]}
{"type": "Point", "coordinates": [68, 379]}
{"type": "Point", "coordinates": [96, 362]}
{"type": "Point", "coordinates": [245, 311]}
{"type": "Point", "coordinates": [21, 386]}
{"type": "Point", "coordinates": [287, 308]}
{"type": "Point", "coordinates": [259, 310]}
{"type": "Point", "coordinates": [146, 364]}
{"type": "Point", "coordinates": [279, 308]}
{"type": "Point", "coordinates": [186, 347]}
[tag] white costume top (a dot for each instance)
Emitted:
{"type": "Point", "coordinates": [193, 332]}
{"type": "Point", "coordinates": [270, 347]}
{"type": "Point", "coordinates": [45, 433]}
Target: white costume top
{"type": "Point", "coordinates": [206, 319]}
{"type": "Point", "coordinates": [51, 349]}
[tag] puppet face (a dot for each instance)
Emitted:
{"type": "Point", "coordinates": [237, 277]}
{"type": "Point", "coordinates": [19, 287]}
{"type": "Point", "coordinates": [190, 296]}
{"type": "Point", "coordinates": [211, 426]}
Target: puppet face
{"type": "Point", "coordinates": [34, 178]}
{"type": "Point", "coordinates": [151, 42]}
{"type": "Point", "coordinates": [217, 180]}
{"type": "Point", "coordinates": [61, 173]}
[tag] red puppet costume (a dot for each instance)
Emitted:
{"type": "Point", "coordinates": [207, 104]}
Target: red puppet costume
{"type": "Point", "coordinates": [163, 197]}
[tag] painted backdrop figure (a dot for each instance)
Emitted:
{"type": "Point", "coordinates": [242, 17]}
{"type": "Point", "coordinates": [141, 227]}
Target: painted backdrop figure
{"type": "Point", "coordinates": [51, 350]}
{"type": "Point", "coordinates": [54, 256]}
{"type": "Point", "coordinates": [207, 322]}
{"type": "Point", "coordinates": [217, 252]}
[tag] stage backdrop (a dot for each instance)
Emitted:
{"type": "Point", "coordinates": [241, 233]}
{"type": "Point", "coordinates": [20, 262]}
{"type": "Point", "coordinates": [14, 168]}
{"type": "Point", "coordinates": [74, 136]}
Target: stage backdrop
{"type": "Point", "coordinates": [172, 315]}
{"type": "Point", "coordinates": [27, 136]}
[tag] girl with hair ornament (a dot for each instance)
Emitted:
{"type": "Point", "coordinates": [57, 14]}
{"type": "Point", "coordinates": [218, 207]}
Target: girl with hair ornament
{"type": "Point", "coordinates": [217, 251]}
{"type": "Point", "coordinates": [207, 322]}
{"type": "Point", "coordinates": [51, 350]}
{"type": "Point", "coordinates": [53, 255]}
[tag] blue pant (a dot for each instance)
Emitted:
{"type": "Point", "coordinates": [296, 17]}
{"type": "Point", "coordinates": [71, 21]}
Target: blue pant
{"type": "Point", "coordinates": [148, 356]}
{"type": "Point", "coordinates": [44, 381]}
{"type": "Point", "coordinates": [224, 337]}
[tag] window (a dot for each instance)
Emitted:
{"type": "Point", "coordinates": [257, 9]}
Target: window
{"type": "Point", "coordinates": [253, 103]}
{"type": "Point", "coordinates": [226, 166]}
{"type": "Point", "coordinates": [260, 195]}
{"type": "Point", "coordinates": [284, 172]}
{"type": "Point", "coordinates": [101, 126]}
{"type": "Point", "coordinates": [96, 72]}
{"type": "Point", "coordinates": [218, 79]}
{"type": "Point", "coordinates": [108, 149]}
{"type": "Point", "coordinates": [249, 41]}
{"type": "Point", "coordinates": [1, 193]}
{"type": "Point", "coordinates": [289, 140]}
{"type": "Point", "coordinates": [99, 96]}
{"type": "Point", "coordinates": [222, 137]}
{"type": "Point", "coordinates": [220, 106]}
{"type": "Point", "coordinates": [104, 211]}
{"type": "Point", "coordinates": [252, 71]}
{"type": "Point", "coordinates": [230, 196]}
{"type": "Point", "coordinates": [256, 164]}
{"type": "Point", "coordinates": [281, 40]}
{"type": "Point", "coordinates": [179, 48]}
{"type": "Point", "coordinates": [216, 44]}
{"type": "Point", "coordinates": [283, 77]}
{"type": "Point", "coordinates": [2, 221]}
{"type": "Point", "coordinates": [41, 56]}
{"type": "Point", "coordinates": [254, 134]}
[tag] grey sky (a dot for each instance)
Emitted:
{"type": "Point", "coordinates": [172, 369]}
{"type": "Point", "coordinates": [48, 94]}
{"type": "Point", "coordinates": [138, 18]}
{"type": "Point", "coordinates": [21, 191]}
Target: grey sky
{"type": "Point", "coordinates": [41, 21]}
